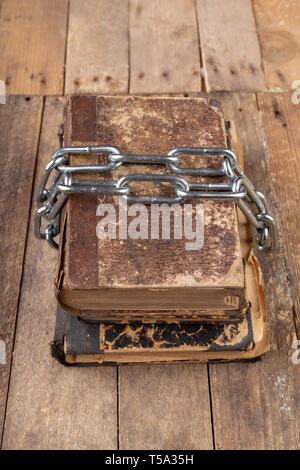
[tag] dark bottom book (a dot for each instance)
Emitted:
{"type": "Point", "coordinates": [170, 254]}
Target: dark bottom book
{"type": "Point", "coordinates": [78, 342]}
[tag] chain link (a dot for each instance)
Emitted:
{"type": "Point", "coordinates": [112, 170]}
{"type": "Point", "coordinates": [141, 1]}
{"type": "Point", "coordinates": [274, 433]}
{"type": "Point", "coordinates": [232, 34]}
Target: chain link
{"type": "Point", "coordinates": [238, 188]}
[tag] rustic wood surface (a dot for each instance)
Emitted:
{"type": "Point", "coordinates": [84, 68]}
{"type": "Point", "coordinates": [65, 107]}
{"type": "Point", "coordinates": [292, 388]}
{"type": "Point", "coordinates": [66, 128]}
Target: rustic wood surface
{"type": "Point", "coordinates": [58, 47]}
{"type": "Point", "coordinates": [154, 68]}
{"type": "Point", "coordinates": [227, 29]}
{"type": "Point", "coordinates": [281, 119]}
{"type": "Point", "coordinates": [171, 407]}
{"type": "Point", "coordinates": [278, 28]}
{"type": "Point", "coordinates": [15, 192]}
{"type": "Point", "coordinates": [33, 38]}
{"type": "Point", "coordinates": [49, 406]}
{"type": "Point", "coordinates": [267, 413]}
{"type": "Point", "coordinates": [97, 53]}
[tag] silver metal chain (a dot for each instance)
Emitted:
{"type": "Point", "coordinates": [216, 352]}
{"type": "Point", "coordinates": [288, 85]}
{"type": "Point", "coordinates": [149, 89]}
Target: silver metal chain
{"type": "Point", "coordinates": [238, 187]}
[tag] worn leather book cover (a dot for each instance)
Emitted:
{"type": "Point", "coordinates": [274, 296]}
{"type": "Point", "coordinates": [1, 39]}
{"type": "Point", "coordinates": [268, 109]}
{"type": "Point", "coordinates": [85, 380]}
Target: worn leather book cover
{"type": "Point", "coordinates": [148, 279]}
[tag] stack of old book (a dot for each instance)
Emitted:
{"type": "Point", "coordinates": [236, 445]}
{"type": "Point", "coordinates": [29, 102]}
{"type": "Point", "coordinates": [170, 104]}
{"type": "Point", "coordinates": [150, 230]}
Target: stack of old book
{"type": "Point", "coordinates": [154, 298]}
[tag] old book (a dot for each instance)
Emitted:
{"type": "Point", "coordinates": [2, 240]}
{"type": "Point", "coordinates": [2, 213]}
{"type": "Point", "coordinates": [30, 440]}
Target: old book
{"type": "Point", "coordinates": [79, 342]}
{"type": "Point", "coordinates": [148, 279]}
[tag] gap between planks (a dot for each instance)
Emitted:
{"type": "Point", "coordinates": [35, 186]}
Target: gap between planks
{"type": "Point", "coordinates": [23, 262]}
{"type": "Point", "coordinates": [34, 35]}
{"type": "Point", "coordinates": [14, 228]}
{"type": "Point", "coordinates": [266, 415]}
{"type": "Point", "coordinates": [43, 394]}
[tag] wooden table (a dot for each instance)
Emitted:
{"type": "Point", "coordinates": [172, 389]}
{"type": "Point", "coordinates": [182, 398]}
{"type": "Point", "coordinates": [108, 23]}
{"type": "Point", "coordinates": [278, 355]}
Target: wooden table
{"type": "Point", "coordinates": [248, 57]}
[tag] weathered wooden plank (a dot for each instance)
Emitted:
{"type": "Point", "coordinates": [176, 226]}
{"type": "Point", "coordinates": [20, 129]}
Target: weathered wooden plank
{"type": "Point", "coordinates": [282, 122]}
{"type": "Point", "coordinates": [164, 51]}
{"type": "Point", "coordinates": [229, 44]}
{"type": "Point", "coordinates": [279, 35]}
{"type": "Point", "coordinates": [33, 35]}
{"type": "Point", "coordinates": [266, 413]}
{"type": "Point", "coordinates": [97, 55]}
{"type": "Point", "coordinates": [50, 406]}
{"type": "Point", "coordinates": [164, 407]}
{"type": "Point", "coordinates": [18, 148]}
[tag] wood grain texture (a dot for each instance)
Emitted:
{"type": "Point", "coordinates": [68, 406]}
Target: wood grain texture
{"type": "Point", "coordinates": [266, 414]}
{"type": "Point", "coordinates": [229, 45]}
{"type": "Point", "coordinates": [97, 54]}
{"type": "Point", "coordinates": [282, 122]}
{"type": "Point", "coordinates": [18, 147]}
{"type": "Point", "coordinates": [164, 407]}
{"type": "Point", "coordinates": [50, 406]}
{"type": "Point", "coordinates": [33, 34]}
{"type": "Point", "coordinates": [164, 50]}
{"type": "Point", "coordinates": [279, 35]}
